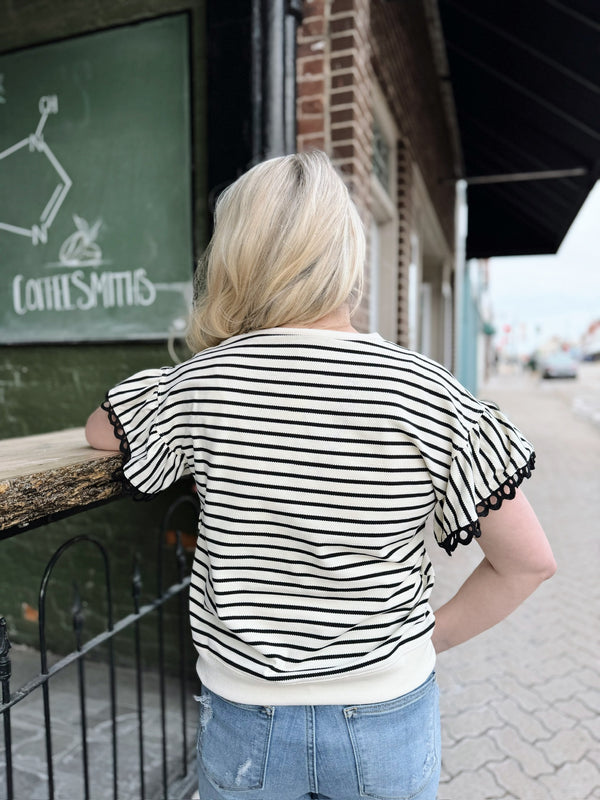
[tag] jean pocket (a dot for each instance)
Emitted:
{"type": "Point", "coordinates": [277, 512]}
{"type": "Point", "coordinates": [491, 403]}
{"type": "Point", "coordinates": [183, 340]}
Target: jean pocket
{"type": "Point", "coordinates": [397, 744]}
{"type": "Point", "coordinates": [233, 742]}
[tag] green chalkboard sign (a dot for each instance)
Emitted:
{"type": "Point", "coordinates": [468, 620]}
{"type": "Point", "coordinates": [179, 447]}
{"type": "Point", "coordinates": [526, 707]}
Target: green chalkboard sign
{"type": "Point", "coordinates": [95, 186]}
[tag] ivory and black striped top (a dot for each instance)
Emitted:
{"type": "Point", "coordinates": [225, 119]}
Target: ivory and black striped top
{"type": "Point", "coordinates": [318, 457]}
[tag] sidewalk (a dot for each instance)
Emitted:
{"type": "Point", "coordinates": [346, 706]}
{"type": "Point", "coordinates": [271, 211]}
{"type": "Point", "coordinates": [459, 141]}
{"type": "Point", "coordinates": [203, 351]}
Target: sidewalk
{"type": "Point", "coordinates": [521, 703]}
{"type": "Point", "coordinates": [29, 755]}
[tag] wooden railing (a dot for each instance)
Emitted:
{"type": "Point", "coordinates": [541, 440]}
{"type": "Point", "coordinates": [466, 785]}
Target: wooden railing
{"type": "Point", "coordinates": [45, 478]}
{"type": "Point", "coordinates": [50, 476]}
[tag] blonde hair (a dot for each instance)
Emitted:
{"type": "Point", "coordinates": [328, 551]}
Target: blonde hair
{"type": "Point", "coordinates": [288, 248]}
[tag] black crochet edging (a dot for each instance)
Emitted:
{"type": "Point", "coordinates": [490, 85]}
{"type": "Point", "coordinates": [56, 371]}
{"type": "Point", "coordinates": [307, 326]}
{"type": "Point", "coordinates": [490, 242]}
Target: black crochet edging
{"type": "Point", "coordinates": [506, 491]}
{"type": "Point", "coordinates": [117, 428]}
{"type": "Point", "coordinates": [118, 475]}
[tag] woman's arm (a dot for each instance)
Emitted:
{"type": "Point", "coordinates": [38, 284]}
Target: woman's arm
{"type": "Point", "coordinates": [517, 560]}
{"type": "Point", "coordinates": [99, 431]}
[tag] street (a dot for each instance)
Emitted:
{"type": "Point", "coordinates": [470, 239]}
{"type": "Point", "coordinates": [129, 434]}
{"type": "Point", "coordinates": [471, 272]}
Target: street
{"type": "Point", "coordinates": [582, 396]}
{"type": "Point", "coordinates": [521, 703]}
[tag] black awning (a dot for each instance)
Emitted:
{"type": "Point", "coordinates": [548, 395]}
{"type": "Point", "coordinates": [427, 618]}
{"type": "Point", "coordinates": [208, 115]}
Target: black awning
{"type": "Point", "coordinates": [525, 76]}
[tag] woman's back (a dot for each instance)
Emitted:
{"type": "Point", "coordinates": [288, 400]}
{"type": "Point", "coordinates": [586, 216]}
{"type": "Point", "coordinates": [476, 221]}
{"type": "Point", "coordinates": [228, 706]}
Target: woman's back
{"type": "Point", "coordinates": [318, 457]}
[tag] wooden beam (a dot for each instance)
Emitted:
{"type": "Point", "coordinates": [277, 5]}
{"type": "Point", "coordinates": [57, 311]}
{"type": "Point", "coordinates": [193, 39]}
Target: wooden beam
{"type": "Point", "coordinates": [52, 474]}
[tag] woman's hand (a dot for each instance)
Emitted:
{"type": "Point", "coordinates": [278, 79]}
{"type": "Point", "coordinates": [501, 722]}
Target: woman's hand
{"type": "Point", "coordinates": [518, 558]}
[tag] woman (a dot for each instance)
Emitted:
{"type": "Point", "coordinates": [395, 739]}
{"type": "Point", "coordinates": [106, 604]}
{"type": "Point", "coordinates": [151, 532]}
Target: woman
{"type": "Point", "coordinates": [318, 454]}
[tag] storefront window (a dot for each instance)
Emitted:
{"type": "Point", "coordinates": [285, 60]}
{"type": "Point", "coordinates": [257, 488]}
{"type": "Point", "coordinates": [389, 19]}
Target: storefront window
{"type": "Point", "coordinates": [382, 165]}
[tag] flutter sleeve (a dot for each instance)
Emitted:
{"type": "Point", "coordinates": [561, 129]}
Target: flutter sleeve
{"type": "Point", "coordinates": [137, 409]}
{"type": "Point", "coordinates": [484, 472]}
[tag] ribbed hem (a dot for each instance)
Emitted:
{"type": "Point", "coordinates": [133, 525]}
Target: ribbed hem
{"type": "Point", "coordinates": [406, 673]}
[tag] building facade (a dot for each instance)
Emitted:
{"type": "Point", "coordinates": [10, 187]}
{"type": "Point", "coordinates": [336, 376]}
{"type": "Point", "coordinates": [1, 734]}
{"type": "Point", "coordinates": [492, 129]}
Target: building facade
{"type": "Point", "coordinates": [370, 82]}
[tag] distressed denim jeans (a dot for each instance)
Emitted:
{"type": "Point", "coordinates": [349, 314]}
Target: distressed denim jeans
{"type": "Point", "coordinates": [382, 751]}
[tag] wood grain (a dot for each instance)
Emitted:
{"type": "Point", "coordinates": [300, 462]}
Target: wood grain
{"type": "Point", "coordinates": [51, 474]}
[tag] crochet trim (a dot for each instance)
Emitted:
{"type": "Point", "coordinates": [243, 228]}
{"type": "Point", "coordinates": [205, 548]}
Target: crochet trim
{"type": "Point", "coordinates": [505, 491]}
{"type": "Point", "coordinates": [117, 428]}
{"type": "Point", "coordinates": [118, 475]}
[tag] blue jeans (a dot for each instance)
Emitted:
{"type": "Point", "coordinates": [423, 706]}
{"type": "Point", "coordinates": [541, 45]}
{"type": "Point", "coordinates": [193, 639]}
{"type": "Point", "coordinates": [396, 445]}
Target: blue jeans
{"type": "Point", "coordinates": [382, 751]}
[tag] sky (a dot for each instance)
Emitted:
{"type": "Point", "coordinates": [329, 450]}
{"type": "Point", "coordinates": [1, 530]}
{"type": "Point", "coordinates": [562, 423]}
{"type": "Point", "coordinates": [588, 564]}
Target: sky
{"type": "Point", "coordinates": [545, 296]}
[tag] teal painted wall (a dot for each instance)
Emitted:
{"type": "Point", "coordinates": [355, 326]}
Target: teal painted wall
{"type": "Point", "coordinates": [470, 327]}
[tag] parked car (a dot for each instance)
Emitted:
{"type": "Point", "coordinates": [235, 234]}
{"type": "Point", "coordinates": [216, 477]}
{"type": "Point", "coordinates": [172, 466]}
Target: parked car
{"type": "Point", "coordinates": [559, 365]}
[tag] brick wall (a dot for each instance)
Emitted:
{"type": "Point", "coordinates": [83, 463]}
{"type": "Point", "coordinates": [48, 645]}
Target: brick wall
{"type": "Point", "coordinates": [343, 46]}
{"type": "Point", "coordinates": [403, 62]}
{"type": "Point", "coordinates": [334, 107]}
{"type": "Point", "coordinates": [313, 77]}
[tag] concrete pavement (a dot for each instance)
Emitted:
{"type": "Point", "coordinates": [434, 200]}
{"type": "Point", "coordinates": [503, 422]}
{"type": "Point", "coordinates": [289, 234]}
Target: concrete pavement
{"type": "Point", "coordinates": [521, 703]}
{"type": "Point", "coordinates": [29, 755]}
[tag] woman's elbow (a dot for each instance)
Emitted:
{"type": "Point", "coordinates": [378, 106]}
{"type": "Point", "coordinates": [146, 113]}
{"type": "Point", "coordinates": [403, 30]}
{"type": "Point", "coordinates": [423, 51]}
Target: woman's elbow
{"type": "Point", "coordinates": [99, 432]}
{"type": "Point", "coordinates": [539, 567]}
{"type": "Point", "coordinates": [547, 568]}
{"type": "Point", "coordinates": [514, 541]}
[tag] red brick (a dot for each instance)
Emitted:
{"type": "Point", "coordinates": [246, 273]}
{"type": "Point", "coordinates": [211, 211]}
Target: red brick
{"type": "Point", "coordinates": [311, 87]}
{"type": "Point", "coordinates": [343, 115]}
{"type": "Point", "coordinates": [347, 42]}
{"type": "Point", "coordinates": [343, 134]}
{"type": "Point", "coordinates": [310, 47]}
{"type": "Point", "coordinates": [339, 6]}
{"type": "Point", "coordinates": [314, 26]}
{"type": "Point", "coordinates": [342, 24]}
{"type": "Point", "coordinates": [346, 167]}
{"type": "Point", "coordinates": [314, 65]}
{"type": "Point", "coordinates": [310, 125]}
{"type": "Point", "coordinates": [342, 79]}
{"type": "Point", "coordinates": [304, 49]}
{"type": "Point", "coordinates": [314, 106]}
{"type": "Point", "coordinates": [342, 62]}
{"type": "Point", "coordinates": [314, 7]}
{"type": "Point", "coordinates": [342, 151]}
{"type": "Point", "coordinates": [342, 98]}
{"type": "Point", "coordinates": [311, 143]}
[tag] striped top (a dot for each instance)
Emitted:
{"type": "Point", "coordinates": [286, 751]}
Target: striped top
{"type": "Point", "coordinates": [318, 457]}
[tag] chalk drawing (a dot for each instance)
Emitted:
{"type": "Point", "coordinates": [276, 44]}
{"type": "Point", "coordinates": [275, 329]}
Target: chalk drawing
{"type": "Point", "coordinates": [35, 143]}
{"type": "Point", "coordinates": [81, 249]}
{"type": "Point", "coordinates": [2, 97]}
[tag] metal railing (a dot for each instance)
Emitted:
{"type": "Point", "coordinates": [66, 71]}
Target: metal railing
{"type": "Point", "coordinates": [168, 771]}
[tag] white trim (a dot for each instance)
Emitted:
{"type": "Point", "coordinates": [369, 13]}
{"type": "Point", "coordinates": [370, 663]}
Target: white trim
{"type": "Point", "coordinates": [427, 220]}
{"type": "Point", "coordinates": [385, 120]}
{"type": "Point", "coordinates": [384, 208]}
{"type": "Point", "coordinates": [383, 260]}
{"type": "Point", "coordinates": [425, 314]}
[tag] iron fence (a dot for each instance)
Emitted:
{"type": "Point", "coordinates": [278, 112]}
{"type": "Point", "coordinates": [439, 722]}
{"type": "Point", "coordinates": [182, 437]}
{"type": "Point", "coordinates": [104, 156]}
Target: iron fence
{"type": "Point", "coordinates": [139, 745]}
